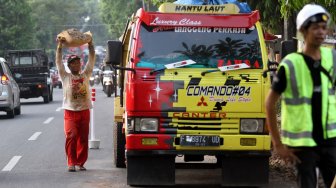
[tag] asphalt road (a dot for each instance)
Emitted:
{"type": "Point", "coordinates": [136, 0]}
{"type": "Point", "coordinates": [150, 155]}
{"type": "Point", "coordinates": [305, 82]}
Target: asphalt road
{"type": "Point", "coordinates": [32, 148]}
{"type": "Point", "coordinates": [32, 151]}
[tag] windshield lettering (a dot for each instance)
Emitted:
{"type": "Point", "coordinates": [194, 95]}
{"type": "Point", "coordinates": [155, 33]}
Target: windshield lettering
{"type": "Point", "coordinates": [193, 29]}
{"type": "Point", "coordinates": [229, 30]}
{"type": "Point", "coordinates": [209, 30]}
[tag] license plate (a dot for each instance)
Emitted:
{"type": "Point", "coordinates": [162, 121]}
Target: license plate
{"type": "Point", "coordinates": [24, 88]}
{"type": "Point", "coordinates": [199, 140]}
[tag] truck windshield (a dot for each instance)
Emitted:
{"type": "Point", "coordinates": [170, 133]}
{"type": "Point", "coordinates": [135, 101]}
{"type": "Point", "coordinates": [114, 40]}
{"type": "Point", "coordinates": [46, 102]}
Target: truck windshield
{"type": "Point", "coordinates": [209, 47]}
{"type": "Point", "coordinates": [25, 60]}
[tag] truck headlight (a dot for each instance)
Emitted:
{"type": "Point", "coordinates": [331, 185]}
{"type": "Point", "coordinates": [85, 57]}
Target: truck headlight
{"type": "Point", "coordinates": [146, 124]}
{"type": "Point", "coordinates": [252, 125]}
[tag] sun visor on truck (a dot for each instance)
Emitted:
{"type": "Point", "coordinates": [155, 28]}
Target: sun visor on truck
{"type": "Point", "coordinates": [198, 20]}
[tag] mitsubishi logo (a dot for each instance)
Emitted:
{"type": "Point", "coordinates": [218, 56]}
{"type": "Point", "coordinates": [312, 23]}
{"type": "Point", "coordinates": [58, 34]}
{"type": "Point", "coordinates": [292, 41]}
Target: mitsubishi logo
{"type": "Point", "coordinates": [202, 102]}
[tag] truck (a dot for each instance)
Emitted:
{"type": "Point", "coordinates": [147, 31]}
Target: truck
{"type": "Point", "coordinates": [31, 69]}
{"type": "Point", "coordinates": [192, 82]}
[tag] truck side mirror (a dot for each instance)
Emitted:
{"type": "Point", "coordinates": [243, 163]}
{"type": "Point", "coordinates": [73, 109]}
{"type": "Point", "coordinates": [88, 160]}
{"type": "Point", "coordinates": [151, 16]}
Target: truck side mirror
{"type": "Point", "coordinates": [114, 52]}
{"type": "Point", "coordinates": [287, 47]}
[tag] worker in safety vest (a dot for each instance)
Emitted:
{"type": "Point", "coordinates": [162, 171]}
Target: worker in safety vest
{"type": "Point", "coordinates": [306, 82]}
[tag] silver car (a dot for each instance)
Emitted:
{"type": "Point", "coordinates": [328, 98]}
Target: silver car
{"type": "Point", "coordinates": [9, 91]}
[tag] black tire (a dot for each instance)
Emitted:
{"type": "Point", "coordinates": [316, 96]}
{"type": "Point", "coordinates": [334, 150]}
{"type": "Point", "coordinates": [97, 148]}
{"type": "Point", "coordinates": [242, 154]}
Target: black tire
{"type": "Point", "coordinates": [10, 113]}
{"type": "Point", "coordinates": [119, 146]}
{"type": "Point", "coordinates": [109, 91]}
{"type": "Point", "coordinates": [51, 96]}
{"type": "Point", "coordinates": [17, 110]}
{"type": "Point", "coordinates": [46, 98]}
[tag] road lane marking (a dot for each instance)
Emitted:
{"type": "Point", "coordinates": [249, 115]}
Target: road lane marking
{"type": "Point", "coordinates": [48, 120]}
{"type": "Point", "coordinates": [11, 164]}
{"type": "Point", "coordinates": [34, 136]}
{"type": "Point", "coordinates": [58, 109]}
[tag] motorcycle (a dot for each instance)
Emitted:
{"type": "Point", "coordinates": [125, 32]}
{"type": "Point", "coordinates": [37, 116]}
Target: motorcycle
{"type": "Point", "coordinates": [91, 81]}
{"type": "Point", "coordinates": [108, 82]}
{"type": "Point", "coordinates": [94, 78]}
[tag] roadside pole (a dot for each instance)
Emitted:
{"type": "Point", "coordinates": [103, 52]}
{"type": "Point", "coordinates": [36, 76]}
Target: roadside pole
{"type": "Point", "coordinates": [93, 143]}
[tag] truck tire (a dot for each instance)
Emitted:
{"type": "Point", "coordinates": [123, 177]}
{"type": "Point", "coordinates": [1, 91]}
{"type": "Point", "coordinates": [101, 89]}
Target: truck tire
{"type": "Point", "coordinates": [51, 97]}
{"type": "Point", "coordinates": [119, 145]}
{"type": "Point", "coordinates": [46, 98]}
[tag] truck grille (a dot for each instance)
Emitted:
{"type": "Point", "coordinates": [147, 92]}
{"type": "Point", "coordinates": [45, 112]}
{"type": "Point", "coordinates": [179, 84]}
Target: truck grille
{"type": "Point", "coordinates": [202, 125]}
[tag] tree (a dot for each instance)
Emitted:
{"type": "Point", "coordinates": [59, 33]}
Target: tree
{"type": "Point", "coordinates": [159, 2]}
{"type": "Point", "coordinates": [95, 23]}
{"type": "Point", "coordinates": [289, 10]}
{"type": "Point", "coordinates": [115, 13]}
{"type": "Point", "coordinates": [268, 9]}
{"type": "Point", "coordinates": [16, 25]}
{"type": "Point", "coordinates": [51, 17]}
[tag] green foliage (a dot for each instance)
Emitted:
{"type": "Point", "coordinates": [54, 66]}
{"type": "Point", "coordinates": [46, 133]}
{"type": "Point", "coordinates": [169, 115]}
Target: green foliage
{"type": "Point", "coordinates": [16, 28]}
{"type": "Point", "coordinates": [289, 8]}
{"type": "Point", "coordinates": [53, 16]}
{"type": "Point", "coordinates": [115, 13]}
{"type": "Point", "coordinates": [270, 13]}
{"type": "Point", "coordinates": [159, 2]}
{"type": "Point", "coordinates": [36, 23]}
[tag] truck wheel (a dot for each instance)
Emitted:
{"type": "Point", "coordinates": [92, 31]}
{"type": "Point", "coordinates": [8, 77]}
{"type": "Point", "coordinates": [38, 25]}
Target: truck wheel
{"type": "Point", "coordinates": [119, 145]}
{"type": "Point", "coordinates": [51, 97]}
{"type": "Point", "coordinates": [46, 98]}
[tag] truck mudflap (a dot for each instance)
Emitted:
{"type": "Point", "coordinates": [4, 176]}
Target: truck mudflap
{"type": "Point", "coordinates": [150, 170]}
{"type": "Point", "coordinates": [238, 168]}
{"type": "Point", "coordinates": [244, 170]}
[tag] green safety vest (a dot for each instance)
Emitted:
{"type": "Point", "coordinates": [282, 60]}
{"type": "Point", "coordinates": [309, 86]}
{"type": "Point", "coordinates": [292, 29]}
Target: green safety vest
{"type": "Point", "coordinates": [296, 109]}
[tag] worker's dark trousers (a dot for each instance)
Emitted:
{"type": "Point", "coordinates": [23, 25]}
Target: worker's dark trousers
{"type": "Point", "coordinates": [76, 129]}
{"type": "Point", "coordinates": [322, 157]}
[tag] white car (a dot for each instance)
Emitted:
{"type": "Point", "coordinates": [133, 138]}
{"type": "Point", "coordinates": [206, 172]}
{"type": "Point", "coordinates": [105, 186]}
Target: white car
{"type": "Point", "coordinates": [9, 91]}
